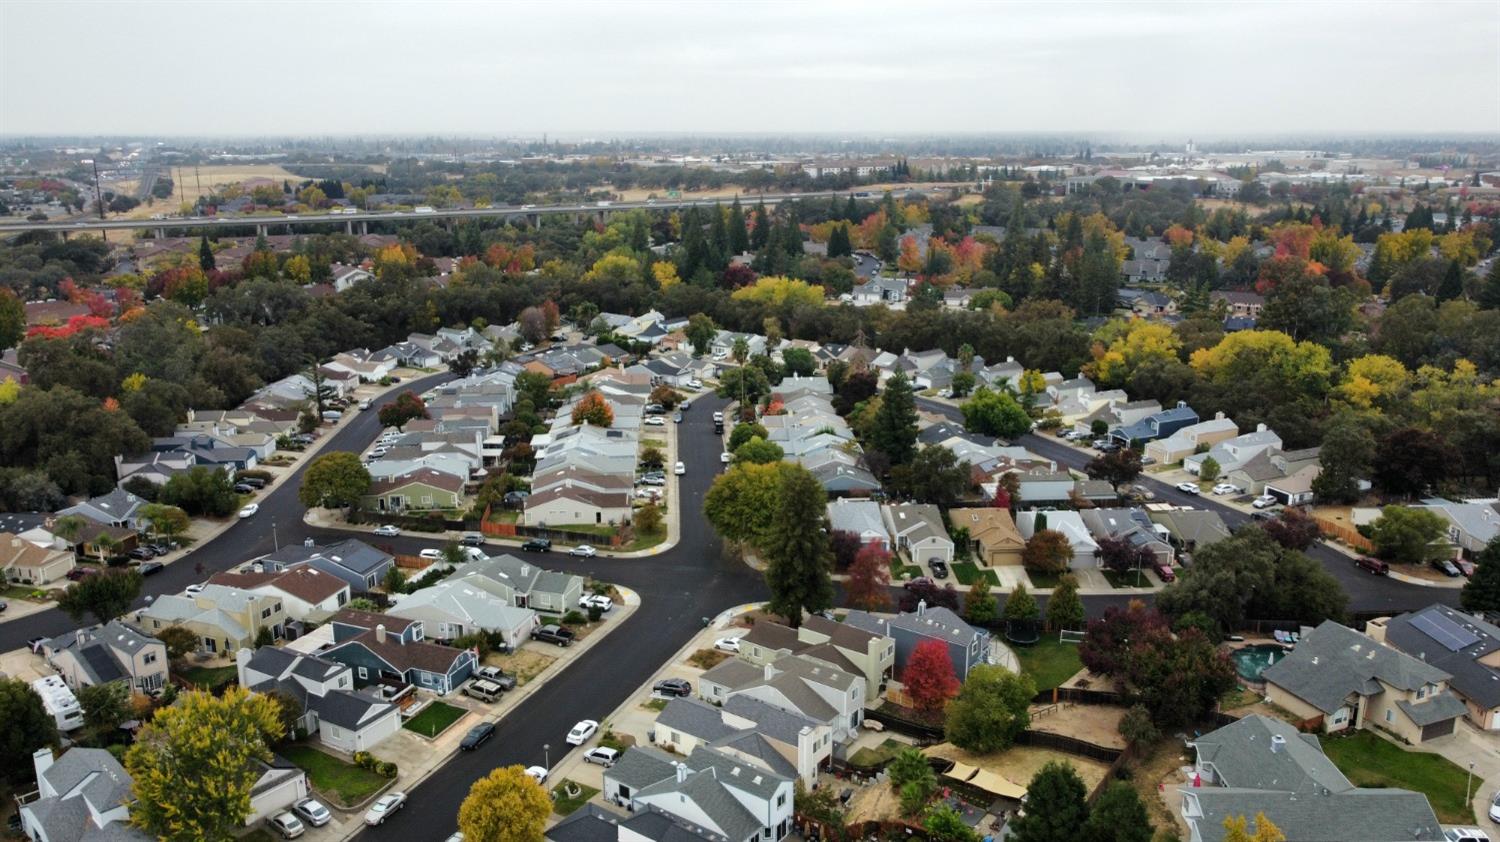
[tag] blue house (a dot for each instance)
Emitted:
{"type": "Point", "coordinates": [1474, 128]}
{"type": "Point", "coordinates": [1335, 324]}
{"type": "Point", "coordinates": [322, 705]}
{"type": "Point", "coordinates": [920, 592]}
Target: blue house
{"type": "Point", "coordinates": [968, 646]}
{"type": "Point", "coordinates": [1153, 427]}
{"type": "Point", "coordinates": [384, 649]}
{"type": "Point", "coordinates": [354, 561]}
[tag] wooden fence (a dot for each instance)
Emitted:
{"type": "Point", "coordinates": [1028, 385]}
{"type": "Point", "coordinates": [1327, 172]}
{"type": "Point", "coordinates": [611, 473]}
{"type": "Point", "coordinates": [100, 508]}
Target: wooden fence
{"type": "Point", "coordinates": [1346, 534]}
{"type": "Point", "coordinates": [515, 530]}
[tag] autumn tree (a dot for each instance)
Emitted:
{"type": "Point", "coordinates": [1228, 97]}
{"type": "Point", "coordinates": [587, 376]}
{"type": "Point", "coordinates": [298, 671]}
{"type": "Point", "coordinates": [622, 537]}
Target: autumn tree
{"type": "Point", "coordinates": [980, 607]}
{"type": "Point", "coordinates": [104, 596]}
{"type": "Point", "coordinates": [742, 503]}
{"type": "Point", "coordinates": [868, 586]}
{"type": "Point", "coordinates": [648, 518]}
{"type": "Point", "coordinates": [1293, 529]}
{"type": "Point", "coordinates": [795, 548]}
{"type": "Point", "coordinates": [1047, 551]}
{"type": "Point", "coordinates": [507, 805]}
{"type": "Point", "coordinates": [593, 409]}
{"type": "Point", "coordinates": [334, 480]}
{"type": "Point", "coordinates": [194, 765]}
{"type": "Point", "coordinates": [929, 678]}
{"type": "Point", "coordinates": [1116, 467]}
{"type": "Point", "coordinates": [990, 710]}
{"type": "Point", "coordinates": [1237, 830]}
{"type": "Point", "coordinates": [405, 408]}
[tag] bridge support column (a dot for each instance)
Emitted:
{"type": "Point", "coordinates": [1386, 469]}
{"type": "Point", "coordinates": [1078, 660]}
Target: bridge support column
{"type": "Point", "coordinates": [262, 230]}
{"type": "Point", "coordinates": [364, 227]}
{"type": "Point", "coordinates": [161, 233]}
{"type": "Point", "coordinates": [534, 220]}
{"type": "Point", "coordinates": [349, 226]}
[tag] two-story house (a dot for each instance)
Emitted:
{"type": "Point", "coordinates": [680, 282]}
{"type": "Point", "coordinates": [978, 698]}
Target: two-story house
{"type": "Point", "coordinates": [1155, 426]}
{"type": "Point", "coordinates": [305, 591]}
{"type": "Point", "coordinates": [1190, 439]}
{"type": "Point", "coordinates": [383, 649]}
{"type": "Point", "coordinates": [840, 645]}
{"type": "Point", "coordinates": [1465, 647]}
{"type": "Point", "coordinates": [967, 646]}
{"type": "Point", "coordinates": [223, 618]}
{"type": "Point", "coordinates": [114, 651]}
{"type": "Point", "coordinates": [343, 719]}
{"type": "Point", "coordinates": [354, 561]}
{"type": "Point", "coordinates": [522, 584]}
{"type": "Point", "coordinates": [454, 608]}
{"type": "Point", "coordinates": [785, 742]}
{"type": "Point", "coordinates": [795, 683]}
{"type": "Point", "coordinates": [84, 794]}
{"type": "Point", "coordinates": [726, 798]}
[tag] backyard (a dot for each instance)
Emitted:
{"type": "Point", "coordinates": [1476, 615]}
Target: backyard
{"type": "Point", "coordinates": [1369, 760]}
{"type": "Point", "coordinates": [434, 719]}
{"type": "Point", "coordinates": [346, 784]}
{"type": "Point", "coordinates": [208, 678]}
{"type": "Point", "coordinates": [871, 757]}
{"type": "Point", "coordinates": [1049, 662]}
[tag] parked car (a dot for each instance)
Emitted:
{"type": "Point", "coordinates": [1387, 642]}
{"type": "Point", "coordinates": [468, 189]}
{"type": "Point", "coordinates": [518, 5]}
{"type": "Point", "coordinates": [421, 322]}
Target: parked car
{"type": "Point", "coordinates": [35, 644]}
{"type": "Point", "coordinates": [141, 554]}
{"type": "Point", "coordinates": [312, 811]}
{"type": "Point", "coordinates": [655, 409]}
{"type": "Point", "coordinates": [250, 510]}
{"type": "Point", "coordinates": [497, 676]}
{"type": "Point", "coordinates": [655, 421]}
{"type": "Point", "coordinates": [605, 757]}
{"type": "Point", "coordinates": [677, 417]}
{"type": "Point", "coordinates": [685, 405]}
{"type": "Point", "coordinates": [1465, 566]}
{"type": "Point", "coordinates": [253, 482]}
{"type": "Point", "coordinates": [472, 539]}
{"type": "Point", "coordinates": [938, 567]}
{"type": "Point", "coordinates": [477, 736]}
{"type": "Point", "coordinates": [149, 567]}
{"type": "Point", "coordinates": [652, 480]}
{"type": "Point", "coordinates": [365, 404]}
{"type": "Point", "coordinates": [515, 499]}
{"type": "Point", "coordinates": [555, 635]}
{"type": "Point", "coordinates": [387, 530]}
{"type": "Point", "coordinates": [1465, 834]}
{"type": "Point", "coordinates": [695, 383]}
{"type": "Point", "coordinates": [1374, 565]}
{"type": "Point", "coordinates": [1164, 571]}
{"type": "Point", "coordinates": [1226, 488]}
{"type": "Point", "coordinates": [288, 825]}
{"type": "Point", "coordinates": [1495, 807]}
{"type": "Point", "coordinates": [727, 644]}
{"type": "Point", "coordinates": [599, 601]}
{"type": "Point", "coordinates": [537, 773]}
{"type": "Point", "coordinates": [161, 549]}
{"type": "Point", "coordinates": [81, 572]}
{"type": "Point", "coordinates": [581, 732]}
{"type": "Point", "coordinates": [673, 687]}
{"type": "Point", "coordinates": [1188, 487]}
{"type": "Point", "coordinates": [243, 488]}
{"type": "Point", "coordinates": [432, 554]}
{"type": "Point", "coordinates": [384, 807]}
{"type": "Point", "coordinates": [917, 582]}
{"type": "Point", "coordinates": [718, 418]}
{"type": "Point", "coordinates": [484, 691]}
{"type": "Point", "coordinates": [725, 457]}
{"type": "Point", "coordinates": [1263, 501]}
{"type": "Point", "coordinates": [1446, 567]}
{"type": "Point", "coordinates": [584, 550]}
{"type": "Point", "coordinates": [538, 545]}
{"type": "Point", "coordinates": [195, 588]}
{"type": "Point", "coordinates": [679, 469]}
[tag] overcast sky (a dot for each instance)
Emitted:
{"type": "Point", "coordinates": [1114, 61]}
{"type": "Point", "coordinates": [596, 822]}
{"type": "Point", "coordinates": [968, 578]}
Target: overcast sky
{"type": "Point", "coordinates": [612, 68]}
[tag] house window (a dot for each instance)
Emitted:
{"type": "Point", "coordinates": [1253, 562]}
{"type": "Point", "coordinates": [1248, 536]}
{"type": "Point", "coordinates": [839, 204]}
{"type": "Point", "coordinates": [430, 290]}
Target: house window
{"type": "Point", "coordinates": [265, 613]}
{"type": "Point", "coordinates": [676, 737]}
{"type": "Point", "coordinates": [150, 658]}
{"type": "Point", "coordinates": [1422, 692]}
{"type": "Point", "coordinates": [1389, 717]}
{"type": "Point", "coordinates": [343, 597]}
{"type": "Point", "coordinates": [363, 673]}
{"type": "Point", "coordinates": [781, 800]}
{"type": "Point", "coordinates": [427, 499]}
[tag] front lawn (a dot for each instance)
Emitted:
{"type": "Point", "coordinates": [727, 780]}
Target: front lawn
{"type": "Point", "coordinates": [434, 719]}
{"type": "Point", "coordinates": [209, 678]}
{"type": "Point", "coordinates": [564, 804]}
{"type": "Point", "coordinates": [1369, 760]}
{"type": "Point", "coordinates": [343, 782]}
{"type": "Point", "coordinates": [901, 571]}
{"type": "Point", "coordinates": [967, 571]}
{"type": "Point", "coordinates": [1127, 579]}
{"type": "Point", "coordinates": [644, 540]}
{"type": "Point", "coordinates": [1049, 662]}
{"type": "Point", "coordinates": [1043, 581]}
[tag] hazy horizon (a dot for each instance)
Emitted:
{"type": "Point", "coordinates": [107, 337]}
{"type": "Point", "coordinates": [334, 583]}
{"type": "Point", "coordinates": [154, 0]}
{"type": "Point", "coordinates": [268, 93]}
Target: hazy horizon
{"type": "Point", "coordinates": [1153, 72]}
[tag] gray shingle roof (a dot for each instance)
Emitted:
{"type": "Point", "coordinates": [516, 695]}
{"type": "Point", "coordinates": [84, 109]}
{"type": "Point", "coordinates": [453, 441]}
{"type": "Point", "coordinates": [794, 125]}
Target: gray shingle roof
{"type": "Point", "coordinates": [641, 766]}
{"type": "Point", "coordinates": [1333, 661]}
{"type": "Point", "coordinates": [1471, 677]}
{"type": "Point", "coordinates": [780, 725]}
{"type": "Point", "coordinates": [1439, 708]}
{"type": "Point", "coordinates": [699, 719]}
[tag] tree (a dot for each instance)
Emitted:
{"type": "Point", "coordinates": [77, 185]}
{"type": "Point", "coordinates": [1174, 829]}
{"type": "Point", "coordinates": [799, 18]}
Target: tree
{"type": "Point", "coordinates": [1121, 556]}
{"type": "Point", "coordinates": [1482, 591]}
{"type": "Point", "coordinates": [1047, 551]}
{"type": "Point", "coordinates": [796, 549]}
{"type": "Point", "coordinates": [990, 710]}
{"type": "Point", "coordinates": [507, 805]}
{"type": "Point", "coordinates": [464, 363]}
{"type": "Point", "coordinates": [1020, 606]}
{"type": "Point", "coordinates": [335, 481]}
{"type": "Point", "coordinates": [533, 325]}
{"type": "Point", "coordinates": [1406, 535]}
{"type": "Point", "coordinates": [993, 413]}
{"type": "Point", "coordinates": [1116, 467]}
{"type": "Point", "coordinates": [963, 384]}
{"type": "Point", "coordinates": [759, 451]}
{"type": "Point", "coordinates": [1293, 529]}
{"type": "Point", "coordinates": [868, 586]}
{"type": "Point", "coordinates": [1208, 471]}
{"type": "Point", "coordinates": [206, 260]}
{"type": "Point", "coordinates": [701, 331]}
{"type": "Point", "coordinates": [944, 824]}
{"type": "Point", "coordinates": [166, 521]}
{"type": "Point", "coordinates": [1346, 456]}
{"type": "Point", "coordinates": [929, 678]}
{"type": "Point", "coordinates": [593, 409]}
{"type": "Point", "coordinates": [1118, 816]}
{"type": "Point", "coordinates": [894, 432]}
{"type": "Point", "coordinates": [742, 503]}
{"type": "Point", "coordinates": [913, 778]}
{"type": "Point", "coordinates": [105, 596]}
{"type": "Point", "coordinates": [799, 362]}
{"type": "Point", "coordinates": [980, 606]}
{"type": "Point", "coordinates": [105, 705]}
{"type": "Point", "coordinates": [838, 242]}
{"type": "Point", "coordinates": [406, 407]}
{"type": "Point", "coordinates": [1065, 607]}
{"type": "Point", "coordinates": [201, 490]}
{"type": "Point", "coordinates": [12, 319]}
{"type": "Point", "coordinates": [1236, 830]}
{"type": "Point", "coordinates": [1137, 728]}
{"type": "Point", "coordinates": [194, 766]}
{"type": "Point", "coordinates": [179, 640]}
{"type": "Point", "coordinates": [665, 395]}
{"type": "Point", "coordinates": [935, 475]}
{"type": "Point", "coordinates": [1249, 575]}
{"type": "Point", "coordinates": [1055, 807]}
{"type": "Point", "coordinates": [1410, 460]}
{"type": "Point", "coordinates": [25, 726]}
{"type": "Point", "coordinates": [648, 518]}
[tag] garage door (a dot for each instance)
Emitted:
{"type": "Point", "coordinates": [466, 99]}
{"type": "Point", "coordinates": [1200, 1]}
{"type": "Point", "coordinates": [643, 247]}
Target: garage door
{"type": "Point", "coordinates": [1438, 729]}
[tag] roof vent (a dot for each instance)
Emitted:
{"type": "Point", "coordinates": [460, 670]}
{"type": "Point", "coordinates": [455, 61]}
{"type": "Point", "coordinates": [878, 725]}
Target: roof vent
{"type": "Point", "coordinates": [1278, 743]}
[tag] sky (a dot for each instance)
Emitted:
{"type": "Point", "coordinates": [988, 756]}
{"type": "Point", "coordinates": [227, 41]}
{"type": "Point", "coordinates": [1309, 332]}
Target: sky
{"type": "Point", "coordinates": [608, 69]}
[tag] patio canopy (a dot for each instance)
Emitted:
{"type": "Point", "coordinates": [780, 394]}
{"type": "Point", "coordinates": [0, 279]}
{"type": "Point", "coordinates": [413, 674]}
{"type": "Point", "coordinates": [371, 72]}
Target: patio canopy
{"type": "Point", "coordinates": [960, 771]}
{"type": "Point", "coordinates": [997, 784]}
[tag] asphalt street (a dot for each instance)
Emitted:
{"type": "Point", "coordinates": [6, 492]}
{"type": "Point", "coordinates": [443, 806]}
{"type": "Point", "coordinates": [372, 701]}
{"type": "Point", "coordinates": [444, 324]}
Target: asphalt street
{"type": "Point", "coordinates": [1366, 592]}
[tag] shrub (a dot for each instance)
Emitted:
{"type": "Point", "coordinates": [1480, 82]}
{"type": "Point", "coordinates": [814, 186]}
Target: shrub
{"type": "Point", "coordinates": [573, 618]}
{"type": "Point", "coordinates": [387, 769]}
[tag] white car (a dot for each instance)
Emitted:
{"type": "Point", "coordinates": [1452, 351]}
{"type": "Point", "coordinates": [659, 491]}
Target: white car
{"type": "Point", "coordinates": [288, 825]}
{"type": "Point", "coordinates": [725, 457]}
{"type": "Point", "coordinates": [195, 588]}
{"type": "Point", "coordinates": [600, 601]}
{"type": "Point", "coordinates": [1465, 834]}
{"type": "Point", "coordinates": [727, 644]}
{"type": "Point", "coordinates": [695, 383]}
{"type": "Point", "coordinates": [312, 811]}
{"type": "Point", "coordinates": [581, 732]}
{"type": "Point", "coordinates": [679, 469]}
{"type": "Point", "coordinates": [1495, 807]}
{"type": "Point", "coordinates": [1263, 501]}
{"type": "Point", "coordinates": [605, 757]}
{"type": "Point", "coordinates": [387, 531]}
{"type": "Point", "coordinates": [365, 404]}
{"type": "Point", "coordinates": [1226, 488]}
{"type": "Point", "coordinates": [1188, 487]}
{"type": "Point", "coordinates": [383, 808]}
{"type": "Point", "coordinates": [537, 774]}
{"type": "Point", "coordinates": [250, 510]}
{"type": "Point", "coordinates": [584, 550]}
{"type": "Point", "coordinates": [429, 553]}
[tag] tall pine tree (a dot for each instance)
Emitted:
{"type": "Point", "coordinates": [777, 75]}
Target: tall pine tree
{"type": "Point", "coordinates": [797, 550]}
{"type": "Point", "coordinates": [739, 238]}
{"type": "Point", "coordinates": [894, 432]}
{"type": "Point", "coordinates": [762, 233]}
{"type": "Point", "coordinates": [206, 260]}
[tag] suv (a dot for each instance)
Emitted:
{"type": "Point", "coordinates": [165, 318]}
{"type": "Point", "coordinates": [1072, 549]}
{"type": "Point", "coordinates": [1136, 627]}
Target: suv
{"type": "Point", "coordinates": [1164, 571]}
{"type": "Point", "coordinates": [673, 687]}
{"type": "Point", "coordinates": [938, 567]}
{"type": "Point", "coordinates": [1374, 565]}
{"type": "Point", "coordinates": [538, 545]}
{"type": "Point", "coordinates": [472, 539]}
{"type": "Point", "coordinates": [484, 691]}
{"type": "Point", "coordinates": [655, 409]}
{"type": "Point", "coordinates": [497, 676]}
{"type": "Point", "coordinates": [556, 635]}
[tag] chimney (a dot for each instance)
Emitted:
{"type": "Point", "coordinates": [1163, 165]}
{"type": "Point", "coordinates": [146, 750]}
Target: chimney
{"type": "Point", "coordinates": [1219, 416]}
{"type": "Point", "coordinates": [921, 607]}
{"type": "Point", "coordinates": [1278, 743]}
{"type": "Point", "coordinates": [1260, 428]}
{"type": "Point", "coordinates": [380, 633]}
{"type": "Point", "coordinates": [768, 671]}
{"type": "Point", "coordinates": [42, 760]}
{"type": "Point", "coordinates": [682, 773]}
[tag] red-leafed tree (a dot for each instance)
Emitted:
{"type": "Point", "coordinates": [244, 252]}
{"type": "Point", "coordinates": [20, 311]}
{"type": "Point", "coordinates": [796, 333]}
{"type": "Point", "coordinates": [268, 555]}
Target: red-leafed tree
{"type": "Point", "coordinates": [929, 678]}
{"type": "Point", "coordinates": [593, 409]}
{"type": "Point", "coordinates": [737, 276]}
{"type": "Point", "coordinates": [552, 315]}
{"type": "Point", "coordinates": [869, 581]}
{"type": "Point", "coordinates": [1104, 647]}
{"type": "Point", "coordinates": [1293, 529]}
{"type": "Point", "coordinates": [406, 407]}
{"type": "Point", "coordinates": [846, 547]}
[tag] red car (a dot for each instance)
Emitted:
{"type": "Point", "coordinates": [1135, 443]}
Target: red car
{"type": "Point", "coordinates": [1164, 572]}
{"type": "Point", "coordinates": [81, 573]}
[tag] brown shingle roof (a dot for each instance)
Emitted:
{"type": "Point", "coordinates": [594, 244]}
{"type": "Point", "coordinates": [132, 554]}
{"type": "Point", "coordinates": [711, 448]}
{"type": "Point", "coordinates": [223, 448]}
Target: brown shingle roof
{"type": "Point", "coordinates": [421, 655]}
{"type": "Point", "coordinates": [426, 476]}
{"type": "Point", "coordinates": [369, 620]}
{"type": "Point", "coordinates": [17, 552]}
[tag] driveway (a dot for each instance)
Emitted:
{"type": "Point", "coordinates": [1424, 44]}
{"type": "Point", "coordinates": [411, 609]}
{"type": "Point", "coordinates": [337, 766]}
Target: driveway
{"type": "Point", "coordinates": [1469, 745]}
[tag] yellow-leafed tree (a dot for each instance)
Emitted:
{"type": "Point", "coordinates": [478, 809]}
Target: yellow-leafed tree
{"type": "Point", "coordinates": [504, 806]}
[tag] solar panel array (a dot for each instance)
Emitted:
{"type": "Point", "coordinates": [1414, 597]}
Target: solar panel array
{"type": "Point", "coordinates": [1444, 631]}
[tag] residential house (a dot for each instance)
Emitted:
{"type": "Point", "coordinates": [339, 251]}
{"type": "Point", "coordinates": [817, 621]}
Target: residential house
{"type": "Point", "coordinates": [381, 649]}
{"type": "Point", "coordinates": [1231, 453]}
{"type": "Point", "coordinates": [1117, 414]}
{"type": "Point", "coordinates": [994, 539]}
{"type": "Point", "coordinates": [83, 795]}
{"type": "Point", "coordinates": [1190, 439]}
{"type": "Point", "coordinates": [117, 508]}
{"type": "Point", "coordinates": [714, 793]}
{"type": "Point", "coordinates": [879, 290]}
{"type": "Point", "coordinates": [1273, 465]}
{"type": "Point", "coordinates": [1342, 679]}
{"type": "Point", "coordinates": [1071, 525]}
{"type": "Point", "coordinates": [1471, 526]}
{"type": "Point", "coordinates": [456, 608]}
{"type": "Point", "coordinates": [723, 343]}
{"type": "Point", "coordinates": [786, 743]}
{"type": "Point", "coordinates": [593, 823]}
{"type": "Point", "coordinates": [522, 584]}
{"type": "Point", "coordinates": [858, 517]}
{"type": "Point", "coordinates": [112, 652]}
{"type": "Point", "coordinates": [360, 565]}
{"type": "Point", "coordinates": [307, 593]}
{"type": "Point", "coordinates": [278, 785]}
{"type": "Point", "coordinates": [1263, 765]}
{"type": "Point", "coordinates": [343, 719]}
{"type": "Point", "coordinates": [1295, 488]}
{"type": "Point", "coordinates": [1151, 304]}
{"type": "Point", "coordinates": [346, 277]}
{"type": "Point", "coordinates": [565, 505]}
{"type": "Point", "coordinates": [917, 529]}
{"type": "Point", "coordinates": [1131, 526]}
{"type": "Point", "coordinates": [799, 684]}
{"type": "Point", "coordinates": [853, 650]}
{"type": "Point", "coordinates": [1465, 647]}
{"type": "Point", "coordinates": [1239, 304]}
{"type": "Point", "coordinates": [1190, 529]}
{"type": "Point", "coordinates": [967, 646]}
{"type": "Point", "coordinates": [25, 563]}
{"type": "Point", "coordinates": [422, 490]}
{"type": "Point", "coordinates": [1041, 486]}
{"type": "Point", "coordinates": [223, 618]}
{"type": "Point", "coordinates": [1155, 426]}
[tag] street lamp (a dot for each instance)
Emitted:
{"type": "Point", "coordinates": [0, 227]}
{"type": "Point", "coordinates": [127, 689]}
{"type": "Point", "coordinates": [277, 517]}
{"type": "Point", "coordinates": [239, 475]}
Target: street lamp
{"type": "Point", "coordinates": [1468, 787]}
{"type": "Point", "coordinates": [547, 758]}
{"type": "Point", "coordinates": [275, 541]}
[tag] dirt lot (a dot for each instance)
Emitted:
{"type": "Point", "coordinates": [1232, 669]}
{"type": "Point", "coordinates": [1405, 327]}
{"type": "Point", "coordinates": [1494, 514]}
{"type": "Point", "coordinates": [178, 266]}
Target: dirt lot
{"type": "Point", "coordinates": [1020, 763]}
{"type": "Point", "coordinates": [1097, 724]}
{"type": "Point", "coordinates": [1159, 769]}
{"type": "Point", "coordinates": [525, 664]}
{"type": "Point", "coordinates": [873, 802]}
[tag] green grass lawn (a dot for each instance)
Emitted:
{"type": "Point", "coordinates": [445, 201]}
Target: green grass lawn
{"type": "Point", "coordinates": [19, 592]}
{"type": "Point", "coordinates": [1041, 580]}
{"type": "Point", "coordinates": [655, 704]}
{"type": "Point", "coordinates": [967, 571]}
{"type": "Point", "coordinates": [1369, 760]}
{"type": "Point", "coordinates": [434, 719]}
{"type": "Point", "coordinates": [1126, 579]}
{"type": "Point", "coordinates": [563, 804]}
{"type": "Point", "coordinates": [901, 571]}
{"type": "Point", "coordinates": [602, 530]}
{"type": "Point", "coordinates": [644, 540]}
{"type": "Point", "coordinates": [208, 678]}
{"type": "Point", "coordinates": [1048, 661]}
{"type": "Point", "coordinates": [504, 516]}
{"type": "Point", "coordinates": [869, 758]}
{"type": "Point", "coordinates": [331, 776]}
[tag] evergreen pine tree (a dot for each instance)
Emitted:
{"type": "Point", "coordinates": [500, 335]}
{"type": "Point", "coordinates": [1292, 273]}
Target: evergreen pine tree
{"type": "Point", "coordinates": [797, 551]}
{"type": "Point", "coordinates": [851, 210]}
{"type": "Point", "coordinates": [894, 432]}
{"type": "Point", "coordinates": [838, 242]}
{"type": "Point", "coordinates": [206, 260]}
{"type": "Point", "coordinates": [1452, 285]}
{"type": "Point", "coordinates": [1489, 292]}
{"type": "Point", "coordinates": [739, 238]}
{"type": "Point", "coordinates": [1055, 807]}
{"type": "Point", "coordinates": [718, 239]}
{"type": "Point", "coordinates": [1482, 592]}
{"type": "Point", "coordinates": [762, 233]}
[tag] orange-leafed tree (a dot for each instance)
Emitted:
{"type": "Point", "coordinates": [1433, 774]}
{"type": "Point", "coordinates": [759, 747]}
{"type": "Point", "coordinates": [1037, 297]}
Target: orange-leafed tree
{"type": "Point", "coordinates": [593, 409]}
{"type": "Point", "coordinates": [868, 587]}
{"type": "Point", "coordinates": [929, 678]}
{"type": "Point", "coordinates": [910, 260]}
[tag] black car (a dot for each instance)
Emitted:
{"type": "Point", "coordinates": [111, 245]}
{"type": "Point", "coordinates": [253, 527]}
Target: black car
{"type": "Point", "coordinates": [141, 553]}
{"type": "Point", "coordinates": [477, 735]}
{"type": "Point", "coordinates": [556, 635]}
{"type": "Point", "coordinates": [655, 409]}
{"type": "Point", "coordinates": [253, 482]}
{"type": "Point", "coordinates": [938, 567]}
{"type": "Point", "coordinates": [149, 567]}
{"type": "Point", "coordinates": [673, 687]}
{"type": "Point", "coordinates": [538, 545]}
{"type": "Point", "coordinates": [1447, 567]}
{"type": "Point", "coordinates": [244, 488]}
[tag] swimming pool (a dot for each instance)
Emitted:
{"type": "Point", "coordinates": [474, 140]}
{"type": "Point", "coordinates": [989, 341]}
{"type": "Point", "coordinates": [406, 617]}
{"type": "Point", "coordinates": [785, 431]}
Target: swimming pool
{"type": "Point", "coordinates": [1251, 661]}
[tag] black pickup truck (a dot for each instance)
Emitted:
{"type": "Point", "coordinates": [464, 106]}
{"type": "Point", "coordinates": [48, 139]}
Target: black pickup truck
{"type": "Point", "coordinates": [556, 635]}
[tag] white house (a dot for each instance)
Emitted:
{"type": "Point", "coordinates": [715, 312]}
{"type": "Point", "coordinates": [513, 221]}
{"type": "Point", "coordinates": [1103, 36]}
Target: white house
{"type": "Point", "coordinates": [917, 528]}
{"type": "Point", "coordinates": [1070, 524]}
{"type": "Point", "coordinates": [455, 608]}
{"type": "Point", "coordinates": [859, 517]}
{"type": "Point", "coordinates": [729, 798]}
{"type": "Point", "coordinates": [344, 719]}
